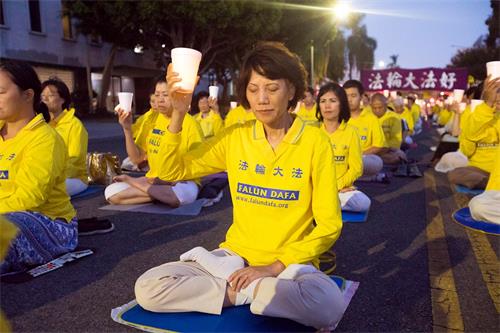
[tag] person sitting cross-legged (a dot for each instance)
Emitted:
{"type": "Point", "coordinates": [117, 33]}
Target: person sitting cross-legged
{"type": "Point", "coordinates": [130, 190]}
{"type": "Point", "coordinates": [286, 211]}
{"type": "Point", "coordinates": [333, 113]}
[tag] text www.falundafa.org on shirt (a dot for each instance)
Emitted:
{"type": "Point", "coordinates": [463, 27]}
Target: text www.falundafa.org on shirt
{"type": "Point", "coordinates": [262, 202]}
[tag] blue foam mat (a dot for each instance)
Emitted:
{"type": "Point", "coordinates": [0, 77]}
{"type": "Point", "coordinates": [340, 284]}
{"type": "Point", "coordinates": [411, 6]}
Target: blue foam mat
{"type": "Point", "coordinates": [463, 217]}
{"type": "Point", "coordinates": [354, 217]}
{"type": "Point", "coordinates": [463, 189]}
{"type": "Point", "coordinates": [92, 189]}
{"type": "Point", "coordinates": [233, 319]}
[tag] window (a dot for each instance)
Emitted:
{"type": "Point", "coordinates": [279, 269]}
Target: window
{"type": "Point", "coordinates": [2, 19]}
{"type": "Point", "coordinates": [36, 22]}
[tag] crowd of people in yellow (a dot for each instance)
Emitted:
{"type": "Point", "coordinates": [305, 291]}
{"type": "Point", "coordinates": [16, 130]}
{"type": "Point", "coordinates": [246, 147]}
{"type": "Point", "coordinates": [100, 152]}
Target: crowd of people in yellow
{"type": "Point", "coordinates": [291, 154]}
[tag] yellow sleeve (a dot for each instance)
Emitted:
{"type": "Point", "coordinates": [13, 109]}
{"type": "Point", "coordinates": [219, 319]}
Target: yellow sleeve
{"type": "Point", "coordinates": [481, 123]}
{"type": "Point", "coordinates": [77, 150]}
{"type": "Point", "coordinates": [207, 158]}
{"type": "Point", "coordinates": [325, 208]}
{"type": "Point", "coordinates": [410, 121]}
{"type": "Point", "coordinates": [218, 124]}
{"type": "Point", "coordinates": [378, 137]}
{"type": "Point", "coordinates": [355, 163]}
{"type": "Point", "coordinates": [467, 147]}
{"type": "Point", "coordinates": [43, 161]}
{"type": "Point", "coordinates": [195, 134]}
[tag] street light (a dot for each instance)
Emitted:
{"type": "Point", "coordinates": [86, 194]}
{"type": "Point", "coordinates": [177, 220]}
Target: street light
{"type": "Point", "coordinates": [381, 64]}
{"type": "Point", "coordinates": [341, 11]}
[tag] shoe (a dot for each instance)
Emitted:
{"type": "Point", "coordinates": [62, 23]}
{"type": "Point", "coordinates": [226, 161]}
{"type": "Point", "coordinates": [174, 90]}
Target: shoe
{"type": "Point", "coordinates": [213, 201]}
{"type": "Point", "coordinates": [381, 178]}
{"type": "Point", "coordinates": [92, 226]}
{"type": "Point", "coordinates": [414, 171]}
{"type": "Point", "coordinates": [402, 170]}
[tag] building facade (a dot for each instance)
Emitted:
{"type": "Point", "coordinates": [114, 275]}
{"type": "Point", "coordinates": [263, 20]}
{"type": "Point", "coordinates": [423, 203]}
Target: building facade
{"type": "Point", "coordinates": [37, 32]}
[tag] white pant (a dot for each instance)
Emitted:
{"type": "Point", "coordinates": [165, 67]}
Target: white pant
{"type": "Point", "coordinates": [372, 165]}
{"type": "Point", "coordinates": [75, 186]}
{"type": "Point", "coordinates": [486, 207]}
{"type": "Point", "coordinates": [311, 299]}
{"type": "Point", "coordinates": [186, 192]}
{"type": "Point", "coordinates": [451, 161]}
{"type": "Point", "coordinates": [354, 201]}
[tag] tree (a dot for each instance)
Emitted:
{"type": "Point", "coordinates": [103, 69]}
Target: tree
{"type": "Point", "coordinates": [114, 22]}
{"type": "Point", "coordinates": [218, 29]}
{"type": "Point", "coordinates": [306, 23]}
{"type": "Point", "coordinates": [394, 61]}
{"type": "Point", "coordinates": [485, 48]}
{"type": "Point", "coordinates": [361, 47]}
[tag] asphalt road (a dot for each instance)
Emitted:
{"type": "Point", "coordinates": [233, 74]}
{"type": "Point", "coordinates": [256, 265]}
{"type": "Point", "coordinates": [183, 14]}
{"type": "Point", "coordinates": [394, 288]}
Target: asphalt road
{"type": "Point", "coordinates": [393, 256]}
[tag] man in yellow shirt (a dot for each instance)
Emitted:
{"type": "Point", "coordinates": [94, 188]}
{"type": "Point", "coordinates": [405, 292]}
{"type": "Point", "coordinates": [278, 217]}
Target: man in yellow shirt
{"type": "Point", "coordinates": [280, 170]}
{"type": "Point", "coordinates": [484, 131]}
{"type": "Point", "coordinates": [130, 190]}
{"type": "Point", "coordinates": [391, 125]}
{"type": "Point", "coordinates": [369, 130]}
{"type": "Point", "coordinates": [55, 94]}
{"type": "Point", "coordinates": [206, 111]}
{"type": "Point", "coordinates": [307, 110]}
{"type": "Point", "coordinates": [415, 112]}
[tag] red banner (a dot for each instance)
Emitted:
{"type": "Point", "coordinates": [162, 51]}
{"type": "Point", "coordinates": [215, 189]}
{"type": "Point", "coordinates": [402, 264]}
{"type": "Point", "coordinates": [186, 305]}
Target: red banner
{"type": "Point", "coordinates": [443, 79]}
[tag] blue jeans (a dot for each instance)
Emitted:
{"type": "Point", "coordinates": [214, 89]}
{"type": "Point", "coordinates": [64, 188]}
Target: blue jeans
{"type": "Point", "coordinates": [40, 239]}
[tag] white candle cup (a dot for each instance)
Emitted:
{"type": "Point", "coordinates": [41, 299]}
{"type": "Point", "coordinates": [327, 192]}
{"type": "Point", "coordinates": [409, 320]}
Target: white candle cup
{"type": "Point", "coordinates": [125, 100]}
{"type": "Point", "coordinates": [474, 103]}
{"type": "Point", "coordinates": [462, 106]}
{"type": "Point", "coordinates": [386, 93]}
{"type": "Point", "coordinates": [493, 69]}
{"type": "Point", "coordinates": [213, 91]}
{"type": "Point", "coordinates": [233, 105]}
{"type": "Point", "coordinates": [394, 94]}
{"type": "Point", "coordinates": [458, 94]}
{"type": "Point", "coordinates": [186, 62]}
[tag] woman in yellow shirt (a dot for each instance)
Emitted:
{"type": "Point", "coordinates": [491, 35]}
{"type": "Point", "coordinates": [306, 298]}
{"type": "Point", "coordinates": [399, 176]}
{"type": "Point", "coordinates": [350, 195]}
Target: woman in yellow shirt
{"type": "Point", "coordinates": [33, 162]}
{"type": "Point", "coordinates": [130, 190]}
{"type": "Point", "coordinates": [206, 111]}
{"type": "Point", "coordinates": [285, 205]}
{"type": "Point", "coordinates": [334, 114]}
{"type": "Point", "coordinates": [55, 94]}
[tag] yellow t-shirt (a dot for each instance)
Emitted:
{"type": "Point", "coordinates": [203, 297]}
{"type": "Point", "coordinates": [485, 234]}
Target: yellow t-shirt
{"type": "Point", "coordinates": [484, 130]}
{"type": "Point", "coordinates": [347, 154]}
{"type": "Point", "coordinates": [142, 127]}
{"type": "Point", "coordinates": [369, 130]}
{"type": "Point", "coordinates": [408, 117]}
{"type": "Point", "coordinates": [415, 112]}
{"type": "Point", "coordinates": [307, 114]}
{"type": "Point", "coordinates": [210, 125]}
{"type": "Point", "coordinates": [33, 172]}
{"type": "Point", "coordinates": [238, 115]}
{"type": "Point", "coordinates": [76, 139]}
{"type": "Point", "coordinates": [393, 132]}
{"type": "Point", "coordinates": [285, 202]}
{"type": "Point", "coordinates": [191, 136]}
{"type": "Point", "coordinates": [444, 117]}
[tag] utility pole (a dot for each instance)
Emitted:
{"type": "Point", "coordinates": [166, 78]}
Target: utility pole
{"type": "Point", "coordinates": [312, 63]}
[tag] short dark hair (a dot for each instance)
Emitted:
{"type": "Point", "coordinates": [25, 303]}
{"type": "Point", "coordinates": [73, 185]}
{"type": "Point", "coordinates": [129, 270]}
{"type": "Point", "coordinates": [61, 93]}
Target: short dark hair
{"type": "Point", "coordinates": [274, 61]}
{"type": "Point", "coordinates": [194, 104]}
{"type": "Point", "coordinates": [25, 77]}
{"type": "Point", "coordinates": [344, 114]}
{"type": "Point", "coordinates": [310, 90]}
{"type": "Point", "coordinates": [354, 84]}
{"type": "Point", "coordinates": [62, 90]}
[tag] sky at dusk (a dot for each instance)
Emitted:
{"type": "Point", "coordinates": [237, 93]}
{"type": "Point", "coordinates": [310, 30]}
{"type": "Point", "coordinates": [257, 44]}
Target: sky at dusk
{"type": "Point", "coordinates": [423, 33]}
